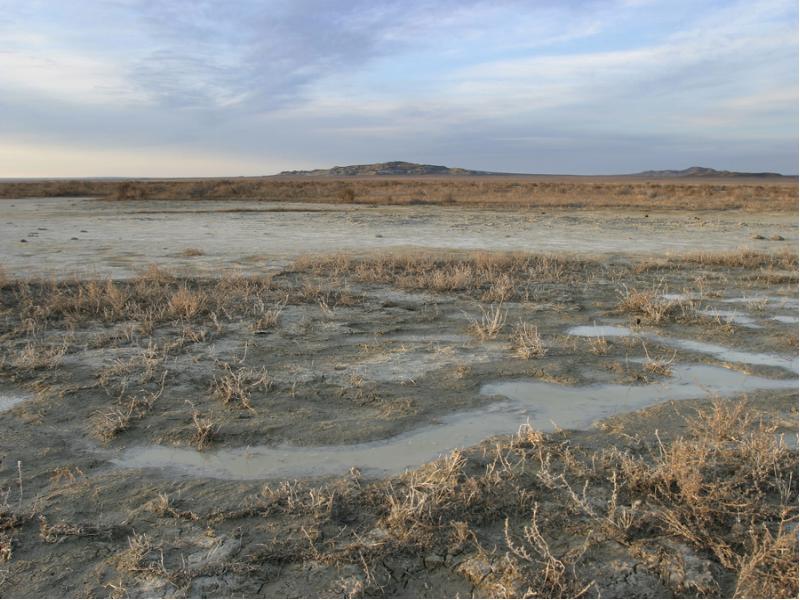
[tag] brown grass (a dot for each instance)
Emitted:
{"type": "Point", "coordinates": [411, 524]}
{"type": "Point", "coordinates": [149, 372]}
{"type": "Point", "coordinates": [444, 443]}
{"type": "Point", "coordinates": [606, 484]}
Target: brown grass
{"type": "Point", "coordinates": [651, 306]}
{"type": "Point", "coordinates": [527, 342]}
{"type": "Point", "coordinates": [206, 428]}
{"type": "Point", "coordinates": [495, 192]}
{"type": "Point", "coordinates": [711, 513]}
{"type": "Point", "coordinates": [490, 276]}
{"type": "Point", "coordinates": [235, 386]}
{"type": "Point", "coordinates": [491, 323]}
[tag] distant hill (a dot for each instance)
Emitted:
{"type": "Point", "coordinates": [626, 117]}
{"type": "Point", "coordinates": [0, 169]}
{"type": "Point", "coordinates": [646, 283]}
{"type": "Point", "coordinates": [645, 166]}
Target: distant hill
{"type": "Point", "coordinates": [387, 168]}
{"type": "Point", "coordinates": [702, 172]}
{"type": "Point", "coordinates": [402, 168]}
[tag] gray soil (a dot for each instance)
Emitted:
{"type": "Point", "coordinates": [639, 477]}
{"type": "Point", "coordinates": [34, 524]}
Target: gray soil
{"type": "Point", "coordinates": [385, 381]}
{"type": "Point", "coordinates": [99, 237]}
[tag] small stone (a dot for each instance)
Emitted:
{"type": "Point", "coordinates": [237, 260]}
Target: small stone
{"type": "Point", "coordinates": [23, 241]}
{"type": "Point", "coordinates": [777, 238]}
{"type": "Point", "coordinates": [758, 236]}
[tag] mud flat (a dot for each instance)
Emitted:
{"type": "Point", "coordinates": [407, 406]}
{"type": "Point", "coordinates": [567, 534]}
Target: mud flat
{"type": "Point", "coordinates": [90, 237]}
{"type": "Point", "coordinates": [428, 415]}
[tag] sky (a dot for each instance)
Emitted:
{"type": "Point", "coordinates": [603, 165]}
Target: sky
{"type": "Point", "coordinates": [194, 88]}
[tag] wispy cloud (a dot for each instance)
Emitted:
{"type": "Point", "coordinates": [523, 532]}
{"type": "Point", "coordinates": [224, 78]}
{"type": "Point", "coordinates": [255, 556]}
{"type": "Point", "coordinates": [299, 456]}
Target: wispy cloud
{"type": "Point", "coordinates": [605, 85]}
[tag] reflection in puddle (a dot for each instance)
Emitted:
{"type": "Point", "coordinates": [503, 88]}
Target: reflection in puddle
{"type": "Point", "coordinates": [544, 404]}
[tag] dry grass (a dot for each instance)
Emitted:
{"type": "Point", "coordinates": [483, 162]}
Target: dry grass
{"type": "Point", "coordinates": [206, 428]}
{"type": "Point", "coordinates": [652, 306]}
{"type": "Point", "coordinates": [268, 317]}
{"type": "Point", "coordinates": [491, 323]}
{"type": "Point", "coordinates": [527, 342]}
{"type": "Point", "coordinates": [109, 423]}
{"type": "Point", "coordinates": [711, 513]}
{"type": "Point", "coordinates": [489, 276]}
{"type": "Point", "coordinates": [744, 258]}
{"type": "Point", "coordinates": [235, 386]}
{"type": "Point", "coordinates": [658, 365]}
{"type": "Point", "coordinates": [192, 252]}
{"type": "Point", "coordinates": [186, 304]}
{"type": "Point", "coordinates": [38, 355]}
{"type": "Point", "coordinates": [496, 192]}
{"type": "Point", "coordinates": [598, 345]}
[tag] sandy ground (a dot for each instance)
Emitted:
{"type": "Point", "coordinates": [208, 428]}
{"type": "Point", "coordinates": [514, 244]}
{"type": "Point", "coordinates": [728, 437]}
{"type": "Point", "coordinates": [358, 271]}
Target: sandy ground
{"type": "Point", "coordinates": [85, 236]}
{"type": "Point", "coordinates": [353, 373]}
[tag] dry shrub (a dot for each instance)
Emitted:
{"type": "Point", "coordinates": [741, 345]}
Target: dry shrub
{"type": "Point", "coordinates": [268, 318]}
{"type": "Point", "coordinates": [599, 345]}
{"type": "Point", "coordinates": [192, 252]}
{"type": "Point", "coordinates": [236, 386]}
{"type": "Point", "coordinates": [726, 490]}
{"type": "Point", "coordinates": [502, 289]}
{"type": "Point", "coordinates": [491, 323]}
{"type": "Point", "coordinates": [424, 498]}
{"type": "Point", "coordinates": [658, 365]}
{"type": "Point", "coordinates": [37, 355]}
{"type": "Point", "coordinates": [651, 305]}
{"type": "Point", "coordinates": [141, 556]}
{"type": "Point", "coordinates": [186, 304]}
{"type": "Point", "coordinates": [107, 424]}
{"type": "Point", "coordinates": [769, 570]}
{"type": "Point", "coordinates": [206, 428]}
{"type": "Point", "coordinates": [527, 342]}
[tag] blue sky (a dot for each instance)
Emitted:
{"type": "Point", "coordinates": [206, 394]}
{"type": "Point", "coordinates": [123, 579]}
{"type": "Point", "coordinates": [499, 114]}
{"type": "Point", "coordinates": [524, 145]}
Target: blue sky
{"type": "Point", "coordinates": [179, 88]}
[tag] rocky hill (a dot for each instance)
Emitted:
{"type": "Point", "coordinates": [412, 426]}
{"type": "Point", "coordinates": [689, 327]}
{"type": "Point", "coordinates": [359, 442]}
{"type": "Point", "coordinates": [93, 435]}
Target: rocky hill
{"type": "Point", "coordinates": [396, 168]}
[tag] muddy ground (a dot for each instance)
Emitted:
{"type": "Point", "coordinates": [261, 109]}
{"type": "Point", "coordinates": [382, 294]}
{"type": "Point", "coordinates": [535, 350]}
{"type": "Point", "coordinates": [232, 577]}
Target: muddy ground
{"type": "Point", "coordinates": [91, 237]}
{"type": "Point", "coordinates": [271, 432]}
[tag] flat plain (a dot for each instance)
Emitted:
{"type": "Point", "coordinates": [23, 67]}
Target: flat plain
{"type": "Point", "coordinates": [488, 387]}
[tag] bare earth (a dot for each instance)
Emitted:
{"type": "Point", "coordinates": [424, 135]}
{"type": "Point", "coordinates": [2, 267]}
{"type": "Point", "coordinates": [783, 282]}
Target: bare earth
{"type": "Point", "coordinates": [281, 400]}
{"type": "Point", "coordinates": [98, 237]}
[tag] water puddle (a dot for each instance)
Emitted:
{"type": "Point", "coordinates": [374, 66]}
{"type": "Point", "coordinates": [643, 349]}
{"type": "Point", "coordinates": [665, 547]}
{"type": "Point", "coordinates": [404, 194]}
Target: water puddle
{"type": "Point", "coordinates": [545, 405]}
{"type": "Point", "coordinates": [785, 318]}
{"type": "Point", "coordinates": [729, 355]}
{"type": "Point", "coordinates": [731, 316]}
{"type": "Point", "coordinates": [766, 301]}
{"type": "Point", "coordinates": [10, 399]}
{"type": "Point", "coordinates": [600, 331]}
{"type": "Point", "coordinates": [719, 352]}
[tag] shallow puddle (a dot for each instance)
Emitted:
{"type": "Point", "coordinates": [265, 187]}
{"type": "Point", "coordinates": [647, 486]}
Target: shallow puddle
{"type": "Point", "coordinates": [785, 318]}
{"type": "Point", "coordinates": [731, 316]}
{"type": "Point", "coordinates": [10, 399]}
{"type": "Point", "coordinates": [766, 301]}
{"type": "Point", "coordinates": [729, 355]}
{"type": "Point", "coordinates": [599, 331]}
{"type": "Point", "coordinates": [545, 405]}
{"type": "Point", "coordinates": [719, 352]}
